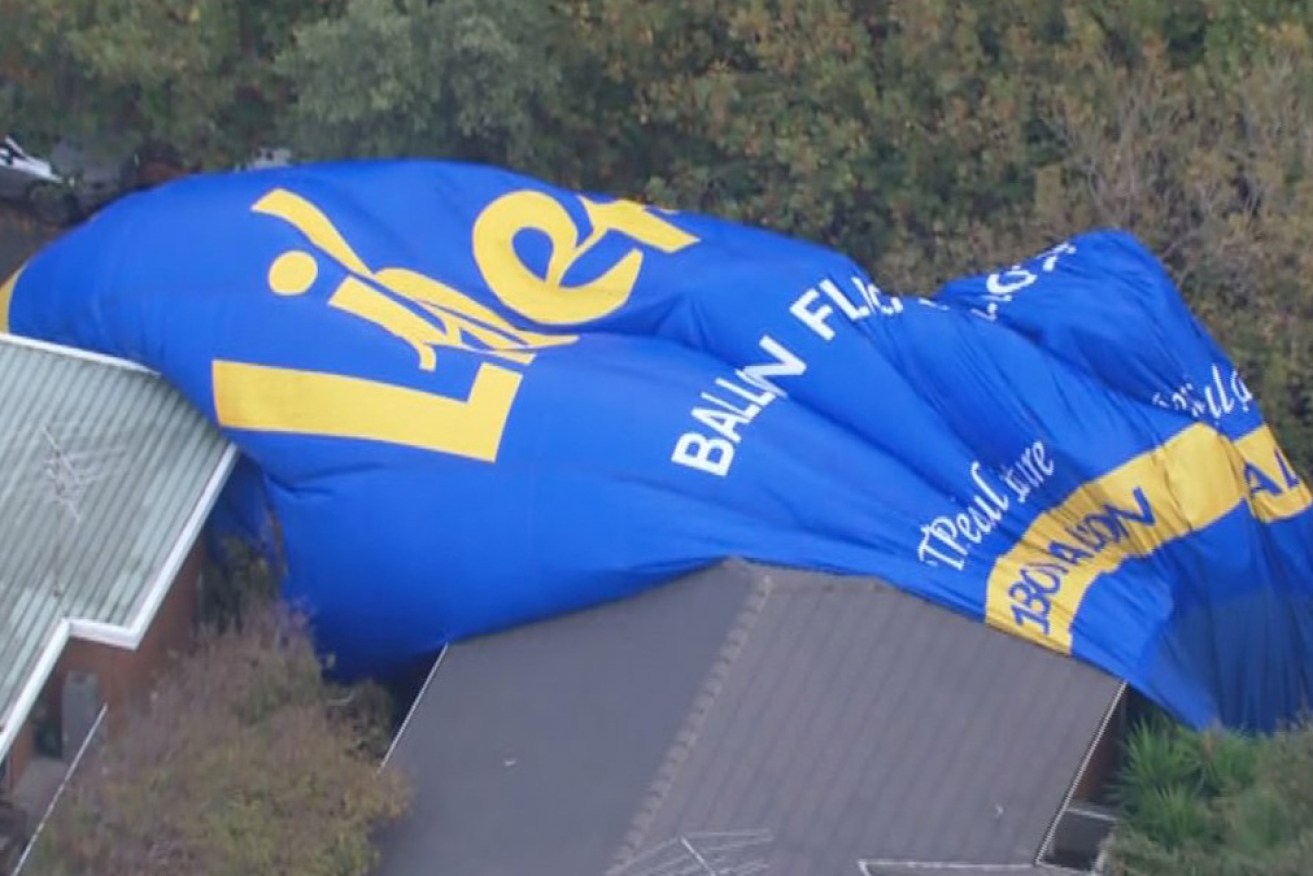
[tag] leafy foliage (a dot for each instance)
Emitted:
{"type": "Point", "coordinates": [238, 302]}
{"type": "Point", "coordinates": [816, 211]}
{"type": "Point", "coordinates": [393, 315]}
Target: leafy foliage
{"type": "Point", "coordinates": [194, 74]}
{"type": "Point", "coordinates": [925, 139]}
{"type": "Point", "coordinates": [237, 583]}
{"type": "Point", "coordinates": [460, 77]}
{"type": "Point", "coordinates": [1210, 804]}
{"type": "Point", "coordinates": [244, 761]}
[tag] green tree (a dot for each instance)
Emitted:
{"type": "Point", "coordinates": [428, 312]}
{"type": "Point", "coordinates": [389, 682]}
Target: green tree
{"type": "Point", "coordinates": [941, 137]}
{"type": "Point", "coordinates": [458, 78]}
{"type": "Point", "coordinates": [196, 75]}
{"type": "Point", "coordinates": [244, 761]}
{"type": "Point", "coordinates": [849, 123]}
{"type": "Point", "coordinates": [1210, 165]}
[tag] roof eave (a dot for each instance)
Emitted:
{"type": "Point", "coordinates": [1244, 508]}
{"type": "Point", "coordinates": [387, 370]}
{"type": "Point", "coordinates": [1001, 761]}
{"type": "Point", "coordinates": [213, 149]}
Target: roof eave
{"type": "Point", "coordinates": [125, 637]}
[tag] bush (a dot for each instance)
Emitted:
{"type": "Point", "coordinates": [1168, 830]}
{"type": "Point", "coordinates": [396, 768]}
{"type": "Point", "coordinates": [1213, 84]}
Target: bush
{"type": "Point", "coordinates": [244, 762]}
{"type": "Point", "coordinates": [196, 76]}
{"type": "Point", "coordinates": [1214, 804]}
{"type": "Point", "coordinates": [238, 582]}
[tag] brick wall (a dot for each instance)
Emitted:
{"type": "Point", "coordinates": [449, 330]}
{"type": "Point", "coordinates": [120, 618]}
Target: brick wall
{"type": "Point", "coordinates": [20, 753]}
{"type": "Point", "coordinates": [124, 676]}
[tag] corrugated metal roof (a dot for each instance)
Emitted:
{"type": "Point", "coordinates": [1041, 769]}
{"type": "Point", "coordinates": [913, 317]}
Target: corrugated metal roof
{"type": "Point", "coordinates": [740, 719]}
{"type": "Point", "coordinates": [104, 470]}
{"type": "Point", "coordinates": [876, 869]}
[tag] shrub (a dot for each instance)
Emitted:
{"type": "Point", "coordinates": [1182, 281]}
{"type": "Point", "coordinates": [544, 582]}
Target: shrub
{"type": "Point", "coordinates": [243, 762]}
{"type": "Point", "coordinates": [1214, 804]}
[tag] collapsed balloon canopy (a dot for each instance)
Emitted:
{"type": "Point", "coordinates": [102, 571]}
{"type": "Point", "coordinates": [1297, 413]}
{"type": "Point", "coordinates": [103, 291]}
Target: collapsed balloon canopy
{"type": "Point", "coordinates": [472, 400]}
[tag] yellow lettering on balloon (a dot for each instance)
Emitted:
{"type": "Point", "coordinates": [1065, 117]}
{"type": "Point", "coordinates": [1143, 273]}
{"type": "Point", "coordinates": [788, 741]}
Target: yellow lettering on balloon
{"type": "Point", "coordinates": [420, 311]}
{"type": "Point", "coordinates": [417, 309]}
{"type": "Point", "coordinates": [1182, 486]}
{"type": "Point", "coordinates": [1260, 448]}
{"type": "Point", "coordinates": [546, 298]}
{"type": "Point", "coordinates": [311, 221]}
{"type": "Point", "coordinates": [461, 317]}
{"type": "Point", "coordinates": [294, 401]}
{"type": "Point", "coordinates": [6, 298]}
{"type": "Point", "coordinates": [426, 314]}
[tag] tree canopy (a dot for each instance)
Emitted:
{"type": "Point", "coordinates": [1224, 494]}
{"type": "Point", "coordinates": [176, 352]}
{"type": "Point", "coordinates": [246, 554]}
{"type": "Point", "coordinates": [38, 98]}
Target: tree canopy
{"type": "Point", "coordinates": [243, 760]}
{"type": "Point", "coordinates": [925, 139]}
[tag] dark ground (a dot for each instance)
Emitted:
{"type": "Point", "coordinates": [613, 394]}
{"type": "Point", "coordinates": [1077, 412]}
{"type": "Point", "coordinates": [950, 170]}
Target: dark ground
{"type": "Point", "coordinates": [20, 235]}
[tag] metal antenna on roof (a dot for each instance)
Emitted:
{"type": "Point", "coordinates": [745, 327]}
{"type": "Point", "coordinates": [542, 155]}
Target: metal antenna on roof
{"type": "Point", "coordinates": [726, 853]}
{"type": "Point", "coordinates": [69, 486]}
{"type": "Point", "coordinates": [68, 489]}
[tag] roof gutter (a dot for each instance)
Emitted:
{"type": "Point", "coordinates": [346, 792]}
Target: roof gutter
{"type": "Point", "coordinates": [129, 637]}
{"type": "Point", "coordinates": [1080, 773]}
{"type": "Point", "coordinates": [73, 353]}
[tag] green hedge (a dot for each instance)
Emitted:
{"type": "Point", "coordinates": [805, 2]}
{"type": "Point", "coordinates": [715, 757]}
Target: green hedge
{"type": "Point", "coordinates": [1214, 804]}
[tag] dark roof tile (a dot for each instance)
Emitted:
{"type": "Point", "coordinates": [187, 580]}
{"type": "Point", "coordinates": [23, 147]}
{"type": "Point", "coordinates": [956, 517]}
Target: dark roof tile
{"type": "Point", "coordinates": [739, 718]}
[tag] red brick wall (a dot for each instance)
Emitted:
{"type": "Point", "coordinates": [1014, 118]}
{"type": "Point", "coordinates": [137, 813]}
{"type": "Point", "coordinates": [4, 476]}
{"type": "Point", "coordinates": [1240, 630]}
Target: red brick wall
{"type": "Point", "coordinates": [124, 675]}
{"type": "Point", "coordinates": [19, 755]}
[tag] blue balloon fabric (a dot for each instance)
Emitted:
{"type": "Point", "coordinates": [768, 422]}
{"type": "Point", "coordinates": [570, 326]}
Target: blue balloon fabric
{"type": "Point", "coordinates": [472, 400]}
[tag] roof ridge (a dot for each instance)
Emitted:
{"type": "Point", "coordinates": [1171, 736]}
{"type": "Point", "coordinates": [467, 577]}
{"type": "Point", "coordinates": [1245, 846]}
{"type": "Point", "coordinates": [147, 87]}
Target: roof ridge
{"type": "Point", "coordinates": [687, 735]}
{"type": "Point", "coordinates": [68, 352]}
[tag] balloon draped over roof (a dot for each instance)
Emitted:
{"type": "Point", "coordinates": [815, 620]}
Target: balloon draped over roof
{"type": "Point", "coordinates": [472, 400]}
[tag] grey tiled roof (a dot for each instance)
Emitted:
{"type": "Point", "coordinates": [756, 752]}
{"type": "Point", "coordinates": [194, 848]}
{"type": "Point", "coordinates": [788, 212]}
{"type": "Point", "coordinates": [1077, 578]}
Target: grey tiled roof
{"type": "Point", "coordinates": [741, 718]}
{"type": "Point", "coordinates": [103, 473]}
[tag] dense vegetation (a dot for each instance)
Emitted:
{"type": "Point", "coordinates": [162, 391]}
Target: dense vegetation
{"type": "Point", "coordinates": [244, 761]}
{"type": "Point", "coordinates": [1214, 804]}
{"type": "Point", "coordinates": [926, 139]}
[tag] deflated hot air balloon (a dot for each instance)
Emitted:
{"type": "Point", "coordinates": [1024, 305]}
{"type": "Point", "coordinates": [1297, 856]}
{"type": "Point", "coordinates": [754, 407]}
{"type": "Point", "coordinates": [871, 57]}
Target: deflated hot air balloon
{"type": "Point", "coordinates": [473, 400]}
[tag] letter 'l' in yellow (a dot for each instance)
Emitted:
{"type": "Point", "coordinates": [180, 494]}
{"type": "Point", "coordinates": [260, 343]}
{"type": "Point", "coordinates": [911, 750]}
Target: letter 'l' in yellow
{"type": "Point", "coordinates": [416, 309]}
{"type": "Point", "coordinates": [7, 299]}
{"type": "Point", "coordinates": [292, 401]}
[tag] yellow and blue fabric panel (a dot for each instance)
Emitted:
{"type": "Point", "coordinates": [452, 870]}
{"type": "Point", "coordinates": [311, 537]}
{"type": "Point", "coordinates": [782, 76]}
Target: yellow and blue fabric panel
{"type": "Point", "coordinates": [472, 400]}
